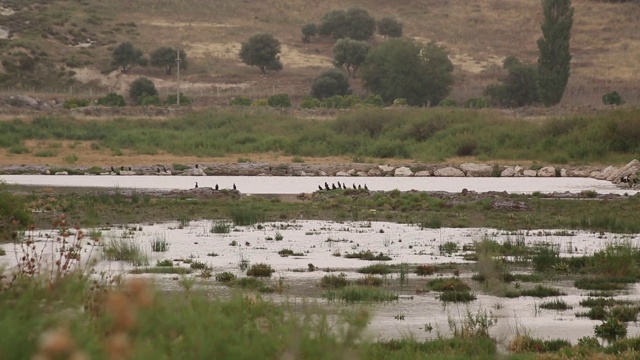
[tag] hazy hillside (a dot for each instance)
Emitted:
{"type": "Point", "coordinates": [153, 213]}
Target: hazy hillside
{"type": "Point", "coordinates": [54, 44]}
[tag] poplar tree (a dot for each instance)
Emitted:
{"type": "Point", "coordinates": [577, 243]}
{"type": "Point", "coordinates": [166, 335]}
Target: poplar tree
{"type": "Point", "coordinates": [554, 61]}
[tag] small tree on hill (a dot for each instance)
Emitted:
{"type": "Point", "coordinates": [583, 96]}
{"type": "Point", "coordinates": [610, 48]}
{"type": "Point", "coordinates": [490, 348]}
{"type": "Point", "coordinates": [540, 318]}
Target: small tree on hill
{"type": "Point", "coordinates": [519, 88]}
{"type": "Point", "coordinates": [308, 31]}
{"type": "Point", "coordinates": [389, 27]}
{"type": "Point", "coordinates": [355, 23]}
{"type": "Point", "coordinates": [126, 56]}
{"type": "Point", "coordinates": [141, 88]}
{"type": "Point", "coordinates": [261, 50]}
{"type": "Point", "coordinates": [350, 54]}
{"type": "Point", "coordinates": [166, 57]}
{"type": "Point", "coordinates": [330, 83]}
{"type": "Point", "coordinates": [555, 57]}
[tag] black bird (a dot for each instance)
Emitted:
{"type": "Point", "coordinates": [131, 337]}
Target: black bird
{"type": "Point", "coordinates": [326, 186]}
{"type": "Point", "coordinates": [319, 187]}
{"type": "Point", "coordinates": [216, 186]}
{"type": "Point", "coordinates": [121, 168]}
{"type": "Point", "coordinates": [234, 187]}
{"type": "Point", "coordinates": [344, 186]}
{"type": "Point", "coordinates": [333, 186]}
{"type": "Point", "coordinates": [129, 168]}
{"type": "Point", "coordinates": [359, 187]}
{"type": "Point", "coordinates": [196, 166]}
{"type": "Point", "coordinates": [196, 184]}
{"type": "Point", "coordinates": [365, 187]}
{"type": "Point", "coordinates": [112, 169]}
{"type": "Point", "coordinates": [164, 169]}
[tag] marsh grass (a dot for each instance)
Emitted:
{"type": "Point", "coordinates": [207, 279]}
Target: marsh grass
{"type": "Point", "coordinates": [245, 215]}
{"type": "Point", "coordinates": [221, 228]}
{"type": "Point", "coordinates": [380, 269]}
{"type": "Point", "coordinates": [557, 304]}
{"type": "Point", "coordinates": [456, 296]}
{"type": "Point", "coordinates": [603, 283]}
{"type": "Point", "coordinates": [351, 294]}
{"type": "Point", "coordinates": [159, 243]}
{"type": "Point", "coordinates": [425, 270]}
{"type": "Point", "coordinates": [541, 291]}
{"type": "Point", "coordinates": [448, 284]}
{"type": "Point", "coordinates": [367, 255]}
{"type": "Point", "coordinates": [260, 270]}
{"type": "Point", "coordinates": [125, 250]}
{"type": "Point", "coordinates": [334, 281]}
{"type": "Point", "coordinates": [370, 280]}
{"type": "Point", "coordinates": [161, 270]}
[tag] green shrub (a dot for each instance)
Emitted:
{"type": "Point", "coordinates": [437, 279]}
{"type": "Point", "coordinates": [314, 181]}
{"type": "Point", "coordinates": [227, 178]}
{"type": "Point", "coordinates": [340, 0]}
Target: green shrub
{"type": "Point", "coordinates": [330, 83]}
{"type": "Point", "coordinates": [424, 270]}
{"type": "Point", "coordinates": [225, 277]}
{"type": "Point", "coordinates": [334, 281]}
{"type": "Point", "coordinates": [456, 296]}
{"type": "Point", "coordinates": [352, 294]}
{"type": "Point", "coordinates": [240, 101]}
{"type": "Point", "coordinates": [374, 101]}
{"type": "Point", "coordinates": [164, 263]}
{"type": "Point", "coordinates": [612, 98]}
{"type": "Point", "coordinates": [149, 100]}
{"type": "Point", "coordinates": [260, 103]}
{"type": "Point", "coordinates": [221, 227]}
{"type": "Point", "coordinates": [112, 99]}
{"type": "Point", "coordinates": [375, 269]}
{"type": "Point", "coordinates": [142, 87]}
{"type": "Point", "coordinates": [368, 255]}
{"type": "Point", "coordinates": [173, 100]}
{"type": "Point", "coordinates": [309, 103]}
{"type": "Point", "coordinates": [611, 329]}
{"type": "Point", "coordinates": [125, 250]}
{"type": "Point", "coordinates": [448, 103]}
{"type": "Point", "coordinates": [73, 103]}
{"type": "Point", "coordinates": [476, 103]}
{"type": "Point", "coordinates": [279, 101]}
{"type": "Point", "coordinates": [260, 270]}
{"type": "Point", "coordinates": [400, 102]}
{"type": "Point", "coordinates": [448, 284]}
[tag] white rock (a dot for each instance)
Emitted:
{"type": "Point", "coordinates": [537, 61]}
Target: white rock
{"type": "Point", "coordinates": [449, 172]}
{"type": "Point", "coordinates": [47, 172]}
{"type": "Point", "coordinates": [547, 171]}
{"type": "Point", "coordinates": [385, 168]}
{"type": "Point", "coordinates": [476, 170]}
{"type": "Point", "coordinates": [563, 172]}
{"type": "Point", "coordinates": [351, 172]}
{"type": "Point", "coordinates": [125, 172]}
{"type": "Point", "coordinates": [361, 173]}
{"type": "Point", "coordinates": [194, 172]}
{"type": "Point", "coordinates": [423, 173]}
{"type": "Point", "coordinates": [604, 174]}
{"type": "Point", "coordinates": [529, 173]}
{"type": "Point", "coordinates": [597, 175]}
{"type": "Point", "coordinates": [508, 172]}
{"type": "Point", "coordinates": [403, 171]}
{"type": "Point", "coordinates": [631, 168]}
{"type": "Point", "coordinates": [322, 173]}
{"type": "Point", "coordinates": [342, 173]}
{"type": "Point", "coordinates": [519, 171]}
{"type": "Point", "coordinates": [374, 172]}
{"type": "Point", "coordinates": [62, 173]}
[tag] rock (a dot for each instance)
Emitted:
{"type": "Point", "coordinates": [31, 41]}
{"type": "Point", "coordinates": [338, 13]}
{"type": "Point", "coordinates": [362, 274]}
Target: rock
{"type": "Point", "coordinates": [194, 172]}
{"type": "Point", "coordinates": [403, 171]}
{"type": "Point", "coordinates": [505, 204]}
{"type": "Point", "coordinates": [361, 173]}
{"type": "Point", "coordinates": [374, 172]}
{"type": "Point", "coordinates": [125, 172]}
{"type": "Point", "coordinates": [62, 173]}
{"type": "Point", "coordinates": [476, 170]}
{"type": "Point", "coordinates": [351, 172]}
{"type": "Point", "coordinates": [423, 173]}
{"type": "Point", "coordinates": [449, 172]}
{"type": "Point", "coordinates": [47, 172]}
{"type": "Point", "coordinates": [603, 174]}
{"type": "Point", "coordinates": [584, 171]}
{"type": "Point", "coordinates": [529, 173]}
{"type": "Point", "coordinates": [508, 172]}
{"type": "Point", "coordinates": [563, 172]}
{"type": "Point", "coordinates": [519, 170]}
{"type": "Point", "coordinates": [631, 168]}
{"type": "Point", "coordinates": [322, 173]}
{"type": "Point", "coordinates": [547, 171]}
{"type": "Point", "coordinates": [385, 168]}
{"type": "Point", "coordinates": [342, 173]}
{"type": "Point", "coordinates": [22, 101]}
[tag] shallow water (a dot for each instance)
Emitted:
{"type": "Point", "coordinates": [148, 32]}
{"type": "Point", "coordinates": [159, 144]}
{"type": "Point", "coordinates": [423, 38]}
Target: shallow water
{"type": "Point", "coordinates": [404, 243]}
{"type": "Point", "coordinates": [299, 184]}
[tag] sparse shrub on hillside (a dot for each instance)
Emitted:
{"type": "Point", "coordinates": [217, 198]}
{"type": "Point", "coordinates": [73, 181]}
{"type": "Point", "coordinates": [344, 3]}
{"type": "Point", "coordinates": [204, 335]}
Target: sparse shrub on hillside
{"type": "Point", "coordinates": [330, 83]}
{"type": "Point", "coordinates": [476, 103]}
{"type": "Point", "coordinates": [126, 56]}
{"type": "Point", "coordinates": [261, 50]}
{"type": "Point", "coordinates": [240, 101]}
{"type": "Point", "coordinates": [309, 103]}
{"type": "Point", "coordinates": [172, 99]}
{"type": "Point", "coordinates": [112, 99]}
{"type": "Point", "coordinates": [73, 103]}
{"type": "Point", "coordinates": [612, 98]}
{"type": "Point", "coordinates": [448, 103]}
{"type": "Point", "coordinates": [260, 103]}
{"type": "Point", "coordinates": [350, 54]}
{"type": "Point", "coordinates": [390, 27]}
{"type": "Point", "coordinates": [142, 87]}
{"type": "Point", "coordinates": [279, 101]}
{"type": "Point", "coordinates": [165, 57]}
{"type": "Point", "coordinates": [308, 31]}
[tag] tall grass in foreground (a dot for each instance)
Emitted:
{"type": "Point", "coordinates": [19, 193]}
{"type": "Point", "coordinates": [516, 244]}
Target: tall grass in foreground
{"type": "Point", "coordinates": [244, 215]}
{"type": "Point", "coordinates": [125, 250]}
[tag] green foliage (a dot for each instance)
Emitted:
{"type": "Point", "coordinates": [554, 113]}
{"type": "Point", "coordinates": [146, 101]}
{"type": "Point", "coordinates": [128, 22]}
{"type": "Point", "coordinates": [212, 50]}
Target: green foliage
{"type": "Point", "coordinates": [72, 103]}
{"type": "Point", "coordinates": [448, 103]}
{"type": "Point", "coordinates": [612, 98]}
{"type": "Point", "coordinates": [611, 329]}
{"type": "Point", "coordinates": [243, 215]}
{"type": "Point", "coordinates": [141, 88]}
{"type": "Point", "coordinates": [14, 215]}
{"type": "Point", "coordinates": [476, 103]}
{"type": "Point", "coordinates": [261, 50]}
{"type": "Point", "coordinates": [399, 102]}
{"type": "Point", "coordinates": [309, 103]}
{"type": "Point", "coordinates": [279, 101]}
{"type": "Point", "coordinates": [165, 57]}
{"type": "Point", "coordinates": [334, 281]}
{"type": "Point", "coordinates": [172, 99]}
{"type": "Point", "coordinates": [355, 23]}
{"type": "Point", "coordinates": [401, 68]}
{"type": "Point", "coordinates": [221, 227]}
{"type": "Point", "coordinates": [112, 99]}
{"type": "Point", "coordinates": [456, 296]}
{"type": "Point", "coordinates": [368, 255]}
{"type": "Point", "coordinates": [518, 88]}
{"type": "Point", "coordinates": [126, 56]}
{"type": "Point", "coordinates": [330, 83]}
{"type": "Point", "coordinates": [351, 294]}
{"type": "Point", "coordinates": [260, 270]}
{"type": "Point", "coordinates": [448, 284]}
{"type": "Point", "coordinates": [374, 101]}
{"type": "Point", "coordinates": [350, 54]}
{"type": "Point", "coordinates": [225, 277]}
{"type": "Point", "coordinates": [380, 269]}
{"type": "Point", "coordinates": [390, 27]}
{"type": "Point", "coordinates": [308, 31]}
{"type": "Point", "coordinates": [125, 250]}
{"type": "Point", "coordinates": [149, 100]}
{"type": "Point", "coordinates": [260, 103]}
{"type": "Point", "coordinates": [240, 101]}
{"type": "Point", "coordinates": [555, 56]}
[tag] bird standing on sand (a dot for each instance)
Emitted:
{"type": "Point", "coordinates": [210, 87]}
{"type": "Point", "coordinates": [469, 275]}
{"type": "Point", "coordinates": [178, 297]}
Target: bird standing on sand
{"type": "Point", "coordinates": [365, 187]}
{"type": "Point", "coordinates": [196, 184]}
{"type": "Point", "coordinates": [217, 187]}
{"type": "Point", "coordinates": [319, 187]}
{"type": "Point", "coordinates": [234, 187]}
{"type": "Point", "coordinates": [326, 186]}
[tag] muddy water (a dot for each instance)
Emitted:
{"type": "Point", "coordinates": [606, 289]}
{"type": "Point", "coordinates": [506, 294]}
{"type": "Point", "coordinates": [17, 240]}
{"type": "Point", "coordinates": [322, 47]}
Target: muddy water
{"type": "Point", "coordinates": [296, 185]}
{"type": "Point", "coordinates": [319, 241]}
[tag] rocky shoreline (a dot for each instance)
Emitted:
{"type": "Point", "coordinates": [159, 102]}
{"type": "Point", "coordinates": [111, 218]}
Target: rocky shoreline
{"type": "Point", "coordinates": [626, 176]}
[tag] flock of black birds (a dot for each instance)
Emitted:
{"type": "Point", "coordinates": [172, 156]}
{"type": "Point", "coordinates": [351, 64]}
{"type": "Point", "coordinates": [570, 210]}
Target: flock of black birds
{"type": "Point", "coordinates": [342, 186]}
{"type": "Point", "coordinates": [218, 187]}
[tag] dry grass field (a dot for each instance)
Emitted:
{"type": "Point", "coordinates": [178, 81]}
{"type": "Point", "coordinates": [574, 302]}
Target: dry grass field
{"type": "Point", "coordinates": [479, 34]}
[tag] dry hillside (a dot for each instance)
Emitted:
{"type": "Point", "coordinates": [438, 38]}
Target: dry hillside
{"type": "Point", "coordinates": [57, 44]}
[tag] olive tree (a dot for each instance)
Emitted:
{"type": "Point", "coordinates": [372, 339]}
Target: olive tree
{"type": "Point", "coordinates": [518, 88]}
{"type": "Point", "coordinates": [350, 54]}
{"type": "Point", "coordinates": [355, 23]}
{"type": "Point", "coordinates": [389, 27]}
{"type": "Point", "coordinates": [142, 87]}
{"type": "Point", "coordinates": [261, 50]}
{"type": "Point", "coordinates": [404, 69]}
{"type": "Point", "coordinates": [330, 83]}
{"type": "Point", "coordinates": [308, 31]}
{"type": "Point", "coordinates": [166, 57]}
{"type": "Point", "coordinates": [126, 56]}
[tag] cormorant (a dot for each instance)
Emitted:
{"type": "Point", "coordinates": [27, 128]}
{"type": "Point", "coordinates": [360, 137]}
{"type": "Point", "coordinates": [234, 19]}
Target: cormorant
{"type": "Point", "coordinates": [365, 187]}
{"type": "Point", "coordinates": [344, 186]}
{"type": "Point", "coordinates": [333, 186]}
{"type": "Point", "coordinates": [319, 187]}
{"type": "Point", "coordinates": [359, 187]}
{"type": "Point", "coordinates": [217, 187]}
{"type": "Point", "coordinates": [196, 184]}
{"type": "Point", "coordinates": [164, 168]}
{"type": "Point", "coordinates": [196, 166]}
{"type": "Point", "coordinates": [129, 168]}
{"type": "Point", "coordinates": [121, 168]}
{"type": "Point", "coordinates": [354, 186]}
{"type": "Point", "coordinates": [234, 187]}
{"type": "Point", "coordinates": [112, 169]}
{"type": "Point", "coordinates": [326, 186]}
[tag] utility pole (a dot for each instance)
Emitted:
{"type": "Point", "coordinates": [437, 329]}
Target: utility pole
{"type": "Point", "coordinates": [178, 72]}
